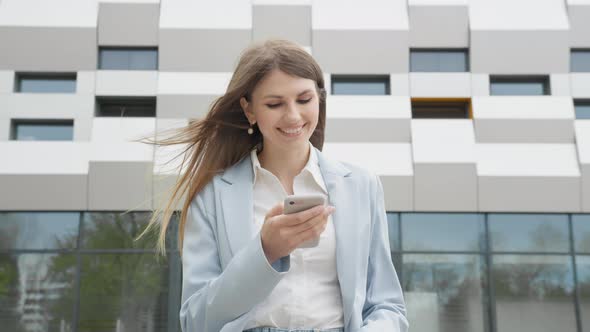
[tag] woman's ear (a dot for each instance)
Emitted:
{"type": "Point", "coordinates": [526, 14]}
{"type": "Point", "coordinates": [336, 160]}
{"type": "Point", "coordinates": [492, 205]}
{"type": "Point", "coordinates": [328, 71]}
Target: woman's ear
{"type": "Point", "coordinates": [247, 111]}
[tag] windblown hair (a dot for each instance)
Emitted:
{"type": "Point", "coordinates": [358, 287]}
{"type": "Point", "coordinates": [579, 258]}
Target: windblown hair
{"type": "Point", "coordinates": [220, 139]}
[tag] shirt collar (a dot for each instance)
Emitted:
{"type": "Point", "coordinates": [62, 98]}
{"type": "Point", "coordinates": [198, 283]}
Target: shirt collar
{"type": "Point", "coordinates": [312, 166]}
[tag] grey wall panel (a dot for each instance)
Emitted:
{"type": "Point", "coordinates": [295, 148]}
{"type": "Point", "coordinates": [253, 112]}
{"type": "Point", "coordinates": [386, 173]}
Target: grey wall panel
{"type": "Point", "coordinates": [456, 190]}
{"type": "Point", "coordinates": [519, 52]}
{"type": "Point", "coordinates": [48, 49]}
{"type": "Point", "coordinates": [367, 130]}
{"type": "Point", "coordinates": [524, 130]}
{"type": "Point", "coordinates": [128, 24]}
{"type": "Point", "coordinates": [51, 192]}
{"type": "Point", "coordinates": [439, 26]}
{"type": "Point", "coordinates": [361, 52]}
{"type": "Point", "coordinates": [271, 21]}
{"type": "Point", "coordinates": [529, 193]}
{"type": "Point", "coordinates": [201, 50]}
{"type": "Point", "coordinates": [579, 18]}
{"type": "Point", "coordinates": [120, 185]}
{"type": "Point", "coordinates": [398, 192]}
{"type": "Point", "coordinates": [183, 106]}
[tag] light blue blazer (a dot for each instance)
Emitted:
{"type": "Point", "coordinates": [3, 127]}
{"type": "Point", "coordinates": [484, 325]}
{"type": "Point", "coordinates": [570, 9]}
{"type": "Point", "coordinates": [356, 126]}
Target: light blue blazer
{"type": "Point", "coordinates": [226, 274]}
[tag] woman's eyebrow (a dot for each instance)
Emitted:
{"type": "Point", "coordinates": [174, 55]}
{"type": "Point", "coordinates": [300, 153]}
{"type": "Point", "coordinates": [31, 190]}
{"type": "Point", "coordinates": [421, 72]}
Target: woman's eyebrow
{"type": "Point", "coordinates": [277, 96]}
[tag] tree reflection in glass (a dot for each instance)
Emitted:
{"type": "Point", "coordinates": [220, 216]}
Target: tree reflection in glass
{"type": "Point", "coordinates": [533, 293]}
{"type": "Point", "coordinates": [444, 292]}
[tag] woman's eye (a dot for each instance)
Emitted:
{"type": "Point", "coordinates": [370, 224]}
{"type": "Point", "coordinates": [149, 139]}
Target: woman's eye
{"type": "Point", "coordinates": [279, 104]}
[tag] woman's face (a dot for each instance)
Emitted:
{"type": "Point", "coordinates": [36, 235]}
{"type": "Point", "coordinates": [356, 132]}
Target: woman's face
{"type": "Point", "coordinates": [286, 109]}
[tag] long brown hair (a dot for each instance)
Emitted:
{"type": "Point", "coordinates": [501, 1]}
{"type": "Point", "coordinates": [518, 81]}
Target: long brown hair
{"type": "Point", "coordinates": [220, 139]}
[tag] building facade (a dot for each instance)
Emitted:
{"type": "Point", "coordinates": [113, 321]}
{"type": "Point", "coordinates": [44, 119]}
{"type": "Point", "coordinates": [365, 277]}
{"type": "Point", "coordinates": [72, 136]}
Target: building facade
{"type": "Point", "coordinates": [474, 113]}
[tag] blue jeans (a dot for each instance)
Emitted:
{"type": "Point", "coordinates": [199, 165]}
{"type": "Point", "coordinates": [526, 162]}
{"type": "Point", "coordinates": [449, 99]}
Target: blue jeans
{"type": "Point", "coordinates": [276, 329]}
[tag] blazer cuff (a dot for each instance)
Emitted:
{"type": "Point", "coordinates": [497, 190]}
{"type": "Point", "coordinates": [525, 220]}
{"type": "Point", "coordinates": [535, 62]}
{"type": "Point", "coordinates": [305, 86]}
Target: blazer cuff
{"type": "Point", "coordinates": [279, 267]}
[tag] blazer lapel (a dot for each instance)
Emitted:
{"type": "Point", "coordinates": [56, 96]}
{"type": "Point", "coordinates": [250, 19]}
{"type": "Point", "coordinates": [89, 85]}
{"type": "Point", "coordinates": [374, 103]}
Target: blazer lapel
{"type": "Point", "coordinates": [237, 205]}
{"type": "Point", "coordinates": [336, 177]}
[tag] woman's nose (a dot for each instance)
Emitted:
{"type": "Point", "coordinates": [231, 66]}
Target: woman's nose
{"type": "Point", "coordinates": [292, 111]}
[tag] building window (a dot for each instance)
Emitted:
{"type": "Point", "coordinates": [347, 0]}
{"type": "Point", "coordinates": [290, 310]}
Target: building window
{"type": "Point", "coordinates": [441, 108]}
{"type": "Point", "coordinates": [360, 85]}
{"type": "Point", "coordinates": [580, 60]}
{"type": "Point", "coordinates": [582, 108]}
{"type": "Point", "coordinates": [126, 107]}
{"type": "Point", "coordinates": [59, 263]}
{"type": "Point", "coordinates": [42, 130]}
{"type": "Point", "coordinates": [439, 60]}
{"type": "Point", "coordinates": [45, 83]}
{"type": "Point", "coordinates": [519, 85]}
{"type": "Point", "coordinates": [128, 58]}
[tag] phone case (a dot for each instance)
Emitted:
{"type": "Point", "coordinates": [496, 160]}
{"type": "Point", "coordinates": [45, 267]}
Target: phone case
{"type": "Point", "coordinates": [298, 203]}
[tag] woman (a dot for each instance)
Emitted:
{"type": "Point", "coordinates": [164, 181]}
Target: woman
{"type": "Point", "coordinates": [242, 268]}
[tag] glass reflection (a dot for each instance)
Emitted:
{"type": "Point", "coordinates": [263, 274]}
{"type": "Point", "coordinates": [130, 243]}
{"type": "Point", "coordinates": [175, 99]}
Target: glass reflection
{"type": "Point", "coordinates": [444, 292]}
{"type": "Point", "coordinates": [529, 232]}
{"type": "Point", "coordinates": [128, 59]}
{"type": "Point", "coordinates": [118, 231]}
{"type": "Point", "coordinates": [581, 226]}
{"type": "Point", "coordinates": [123, 292]}
{"type": "Point", "coordinates": [393, 230]}
{"type": "Point", "coordinates": [37, 292]}
{"type": "Point", "coordinates": [533, 293]}
{"type": "Point", "coordinates": [583, 270]}
{"type": "Point", "coordinates": [438, 61]}
{"type": "Point", "coordinates": [442, 231]}
{"type": "Point", "coordinates": [38, 230]}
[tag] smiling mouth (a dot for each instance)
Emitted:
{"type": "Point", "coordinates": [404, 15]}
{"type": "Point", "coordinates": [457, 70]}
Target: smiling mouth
{"type": "Point", "coordinates": [292, 132]}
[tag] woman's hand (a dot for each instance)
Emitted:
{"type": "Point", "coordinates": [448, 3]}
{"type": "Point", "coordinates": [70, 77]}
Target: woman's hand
{"type": "Point", "coordinates": [283, 233]}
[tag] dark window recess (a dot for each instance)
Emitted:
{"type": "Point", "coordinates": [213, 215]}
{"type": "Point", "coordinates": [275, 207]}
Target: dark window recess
{"type": "Point", "coordinates": [128, 58]}
{"type": "Point", "coordinates": [582, 108]}
{"type": "Point", "coordinates": [519, 85]}
{"type": "Point", "coordinates": [42, 130]}
{"type": "Point", "coordinates": [580, 60]}
{"type": "Point", "coordinates": [126, 107]}
{"type": "Point", "coordinates": [45, 83]}
{"type": "Point", "coordinates": [439, 60]}
{"type": "Point", "coordinates": [360, 85]}
{"type": "Point", "coordinates": [440, 109]}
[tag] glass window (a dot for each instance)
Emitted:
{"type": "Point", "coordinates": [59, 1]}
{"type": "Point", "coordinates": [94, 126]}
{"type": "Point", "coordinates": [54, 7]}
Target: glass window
{"type": "Point", "coordinates": [440, 109]}
{"type": "Point", "coordinates": [581, 226]}
{"type": "Point", "coordinates": [582, 108]}
{"type": "Point", "coordinates": [37, 292]}
{"type": "Point", "coordinates": [528, 232]}
{"type": "Point", "coordinates": [42, 130]}
{"type": "Point", "coordinates": [519, 86]}
{"type": "Point", "coordinates": [533, 293]}
{"type": "Point", "coordinates": [580, 60]}
{"type": "Point", "coordinates": [126, 107]}
{"type": "Point", "coordinates": [38, 230]}
{"type": "Point", "coordinates": [112, 230]}
{"type": "Point", "coordinates": [444, 292]}
{"type": "Point", "coordinates": [128, 58]}
{"type": "Point", "coordinates": [393, 230]}
{"type": "Point", "coordinates": [360, 85]}
{"type": "Point", "coordinates": [438, 61]}
{"type": "Point", "coordinates": [442, 231]}
{"type": "Point", "coordinates": [46, 83]}
{"type": "Point", "coordinates": [583, 270]}
{"type": "Point", "coordinates": [124, 292]}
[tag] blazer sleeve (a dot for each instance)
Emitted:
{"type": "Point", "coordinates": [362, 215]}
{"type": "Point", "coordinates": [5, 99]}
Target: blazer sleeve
{"type": "Point", "coordinates": [211, 297]}
{"type": "Point", "coordinates": [384, 308]}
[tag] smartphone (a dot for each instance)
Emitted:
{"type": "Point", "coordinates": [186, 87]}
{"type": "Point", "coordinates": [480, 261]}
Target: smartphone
{"type": "Point", "coordinates": [298, 203]}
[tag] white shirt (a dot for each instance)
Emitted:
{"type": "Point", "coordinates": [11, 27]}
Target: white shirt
{"type": "Point", "coordinates": [308, 296]}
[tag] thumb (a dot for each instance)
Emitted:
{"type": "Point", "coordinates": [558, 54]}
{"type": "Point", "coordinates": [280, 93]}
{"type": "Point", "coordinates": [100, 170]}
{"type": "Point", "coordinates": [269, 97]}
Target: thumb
{"type": "Point", "coordinates": [275, 211]}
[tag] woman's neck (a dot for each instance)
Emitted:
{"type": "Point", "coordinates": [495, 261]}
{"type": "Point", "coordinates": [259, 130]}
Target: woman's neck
{"type": "Point", "coordinates": [285, 164]}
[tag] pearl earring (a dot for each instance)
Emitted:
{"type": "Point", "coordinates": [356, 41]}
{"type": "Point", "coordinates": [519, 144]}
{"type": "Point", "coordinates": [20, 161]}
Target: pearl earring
{"type": "Point", "coordinates": [250, 130]}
